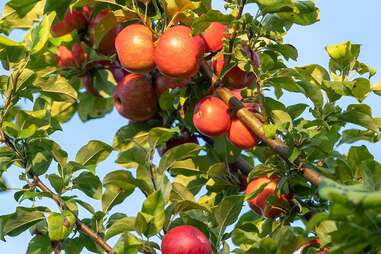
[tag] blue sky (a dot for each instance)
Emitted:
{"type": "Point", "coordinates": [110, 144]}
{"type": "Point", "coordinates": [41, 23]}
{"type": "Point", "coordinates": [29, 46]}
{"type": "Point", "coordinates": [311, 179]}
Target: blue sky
{"type": "Point", "coordinates": [341, 20]}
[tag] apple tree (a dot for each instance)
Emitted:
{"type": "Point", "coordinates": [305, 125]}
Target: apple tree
{"type": "Point", "coordinates": [239, 171]}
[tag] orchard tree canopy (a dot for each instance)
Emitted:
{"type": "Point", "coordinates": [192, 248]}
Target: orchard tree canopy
{"type": "Point", "coordinates": [201, 91]}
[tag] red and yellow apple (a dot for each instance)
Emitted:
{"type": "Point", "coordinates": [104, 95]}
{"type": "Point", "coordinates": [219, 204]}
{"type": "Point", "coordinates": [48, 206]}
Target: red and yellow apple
{"type": "Point", "coordinates": [260, 203]}
{"type": "Point", "coordinates": [214, 37]}
{"type": "Point", "coordinates": [241, 136]}
{"type": "Point", "coordinates": [135, 48]}
{"type": "Point", "coordinates": [135, 98]}
{"type": "Point", "coordinates": [211, 116]}
{"type": "Point", "coordinates": [177, 54]}
{"type": "Point", "coordinates": [185, 240]}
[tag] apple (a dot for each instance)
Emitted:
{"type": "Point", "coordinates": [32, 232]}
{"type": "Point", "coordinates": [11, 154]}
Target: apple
{"type": "Point", "coordinates": [135, 98]}
{"type": "Point", "coordinates": [79, 54]}
{"type": "Point", "coordinates": [76, 19]}
{"type": "Point", "coordinates": [65, 57]}
{"type": "Point", "coordinates": [214, 37]}
{"type": "Point", "coordinates": [199, 41]}
{"type": "Point", "coordinates": [87, 82]}
{"type": "Point", "coordinates": [211, 116]}
{"type": "Point", "coordinates": [177, 54]}
{"type": "Point", "coordinates": [61, 28]}
{"type": "Point", "coordinates": [86, 10]}
{"type": "Point", "coordinates": [107, 44]}
{"type": "Point", "coordinates": [235, 78]}
{"type": "Point", "coordinates": [164, 83]}
{"type": "Point", "coordinates": [185, 239]}
{"type": "Point", "coordinates": [259, 204]}
{"type": "Point", "coordinates": [241, 136]}
{"type": "Point", "coordinates": [183, 139]}
{"type": "Point", "coordinates": [118, 73]}
{"type": "Point", "coordinates": [135, 49]}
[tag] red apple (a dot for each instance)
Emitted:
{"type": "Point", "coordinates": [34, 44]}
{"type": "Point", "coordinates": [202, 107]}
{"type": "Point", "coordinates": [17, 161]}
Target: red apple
{"type": "Point", "coordinates": [199, 41]}
{"type": "Point", "coordinates": [177, 54]}
{"type": "Point", "coordinates": [107, 45]}
{"type": "Point", "coordinates": [135, 98]}
{"type": "Point", "coordinates": [259, 204]}
{"type": "Point", "coordinates": [184, 139]}
{"type": "Point", "coordinates": [65, 57]}
{"type": "Point", "coordinates": [164, 83]}
{"type": "Point", "coordinates": [61, 28]}
{"type": "Point", "coordinates": [185, 240]}
{"type": "Point", "coordinates": [76, 19]}
{"type": "Point", "coordinates": [241, 136]}
{"type": "Point", "coordinates": [135, 49]}
{"type": "Point", "coordinates": [79, 54]}
{"type": "Point", "coordinates": [211, 116]}
{"type": "Point", "coordinates": [235, 78]}
{"type": "Point", "coordinates": [214, 37]}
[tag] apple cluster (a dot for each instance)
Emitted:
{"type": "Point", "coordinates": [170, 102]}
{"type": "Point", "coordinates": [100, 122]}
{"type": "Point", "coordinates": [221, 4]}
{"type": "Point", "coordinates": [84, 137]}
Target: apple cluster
{"type": "Point", "coordinates": [76, 58]}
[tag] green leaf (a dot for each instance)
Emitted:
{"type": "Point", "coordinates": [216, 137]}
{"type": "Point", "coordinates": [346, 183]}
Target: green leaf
{"type": "Point", "coordinates": [377, 88]}
{"type": "Point", "coordinates": [60, 225]}
{"type": "Point", "coordinates": [39, 245]}
{"type": "Point", "coordinates": [227, 212]}
{"type": "Point", "coordinates": [114, 195]}
{"type": "Point", "coordinates": [178, 153]}
{"type": "Point", "coordinates": [179, 193]}
{"type": "Point", "coordinates": [89, 184]}
{"type": "Point", "coordinates": [22, 7]}
{"type": "Point", "coordinates": [201, 23]}
{"type": "Point", "coordinates": [16, 223]}
{"type": "Point", "coordinates": [151, 219]}
{"type": "Point", "coordinates": [93, 153]}
{"type": "Point", "coordinates": [4, 41]}
{"type": "Point", "coordinates": [361, 115]}
{"type": "Point", "coordinates": [39, 34]}
{"type": "Point", "coordinates": [56, 86]}
{"type": "Point", "coordinates": [286, 50]}
{"type": "Point", "coordinates": [133, 157]}
{"type": "Point", "coordinates": [120, 226]}
{"type": "Point", "coordinates": [93, 107]}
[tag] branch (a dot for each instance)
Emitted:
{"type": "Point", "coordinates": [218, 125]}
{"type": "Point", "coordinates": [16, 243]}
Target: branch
{"type": "Point", "coordinates": [254, 124]}
{"type": "Point", "coordinates": [37, 181]}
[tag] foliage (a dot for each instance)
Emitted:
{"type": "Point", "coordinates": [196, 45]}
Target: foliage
{"type": "Point", "coordinates": [192, 183]}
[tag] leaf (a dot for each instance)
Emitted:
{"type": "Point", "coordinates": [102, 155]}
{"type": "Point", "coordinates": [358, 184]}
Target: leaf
{"type": "Point", "coordinates": [39, 34]}
{"type": "Point", "coordinates": [296, 110]}
{"type": "Point", "coordinates": [114, 195]}
{"type": "Point", "coordinates": [286, 50]}
{"type": "Point", "coordinates": [151, 219]}
{"type": "Point", "coordinates": [93, 153]}
{"type": "Point", "coordinates": [22, 7]}
{"type": "Point", "coordinates": [93, 107]}
{"type": "Point", "coordinates": [201, 23]}
{"type": "Point", "coordinates": [377, 88]}
{"type": "Point", "coordinates": [178, 153]}
{"type": "Point", "coordinates": [89, 184]}
{"type": "Point", "coordinates": [227, 212]}
{"type": "Point", "coordinates": [120, 226]}
{"type": "Point", "coordinates": [353, 135]}
{"type": "Point", "coordinates": [60, 225]}
{"type": "Point", "coordinates": [16, 223]}
{"type": "Point", "coordinates": [40, 244]}
{"type": "Point", "coordinates": [4, 41]}
{"type": "Point", "coordinates": [56, 85]}
{"type": "Point", "coordinates": [360, 114]}
{"type": "Point", "coordinates": [179, 193]}
{"type": "Point", "coordinates": [133, 157]}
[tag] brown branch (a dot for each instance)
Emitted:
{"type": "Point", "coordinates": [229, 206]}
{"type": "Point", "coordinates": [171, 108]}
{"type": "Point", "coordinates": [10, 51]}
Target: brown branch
{"type": "Point", "coordinates": [254, 124]}
{"type": "Point", "coordinates": [80, 225]}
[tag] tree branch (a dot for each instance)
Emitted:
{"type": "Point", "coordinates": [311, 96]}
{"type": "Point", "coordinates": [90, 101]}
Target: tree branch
{"type": "Point", "coordinates": [254, 124]}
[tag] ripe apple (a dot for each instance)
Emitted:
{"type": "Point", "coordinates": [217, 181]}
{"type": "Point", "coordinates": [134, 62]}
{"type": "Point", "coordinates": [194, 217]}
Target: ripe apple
{"type": "Point", "coordinates": [135, 49]}
{"type": "Point", "coordinates": [65, 57]}
{"type": "Point", "coordinates": [164, 83]}
{"type": "Point", "coordinates": [177, 54]}
{"type": "Point", "coordinates": [211, 116]}
{"type": "Point", "coordinates": [214, 37]}
{"type": "Point", "coordinates": [107, 45]}
{"type": "Point", "coordinates": [259, 204]}
{"type": "Point", "coordinates": [185, 239]}
{"type": "Point", "coordinates": [135, 98]}
{"type": "Point", "coordinates": [183, 139]}
{"type": "Point", "coordinates": [79, 54]}
{"type": "Point", "coordinates": [76, 19]}
{"type": "Point", "coordinates": [61, 28]}
{"type": "Point", "coordinates": [241, 136]}
{"type": "Point", "coordinates": [199, 41]}
{"type": "Point", "coordinates": [235, 78]}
